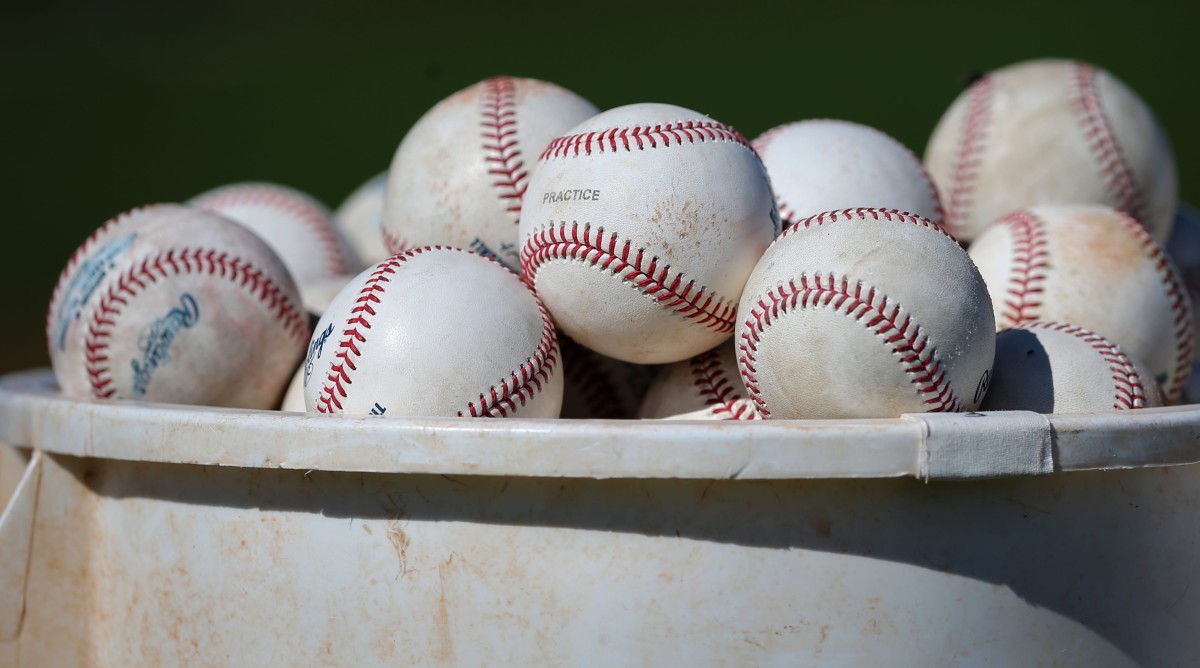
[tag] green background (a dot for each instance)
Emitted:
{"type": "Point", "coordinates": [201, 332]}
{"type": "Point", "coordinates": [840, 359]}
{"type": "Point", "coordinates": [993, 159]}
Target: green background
{"type": "Point", "coordinates": [110, 105]}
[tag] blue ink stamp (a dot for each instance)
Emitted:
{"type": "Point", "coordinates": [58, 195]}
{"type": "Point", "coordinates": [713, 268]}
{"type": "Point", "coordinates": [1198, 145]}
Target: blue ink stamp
{"type": "Point", "coordinates": [84, 283]}
{"type": "Point", "coordinates": [155, 341]}
{"type": "Point", "coordinates": [314, 352]}
{"type": "Point", "coordinates": [378, 410]}
{"type": "Point", "coordinates": [509, 256]}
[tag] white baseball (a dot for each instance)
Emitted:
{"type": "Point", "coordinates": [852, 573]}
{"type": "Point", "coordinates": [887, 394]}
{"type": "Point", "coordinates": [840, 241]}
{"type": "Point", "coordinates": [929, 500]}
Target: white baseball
{"type": "Point", "coordinates": [186, 308]}
{"type": "Point", "coordinates": [87, 268]}
{"type": "Point", "coordinates": [1093, 267]}
{"type": "Point", "coordinates": [824, 165]}
{"type": "Point", "coordinates": [293, 396]}
{"type": "Point", "coordinates": [1051, 132]}
{"type": "Point", "coordinates": [1050, 367]}
{"type": "Point", "coordinates": [596, 387]}
{"type": "Point", "coordinates": [640, 228]}
{"type": "Point", "coordinates": [435, 332]}
{"type": "Point", "coordinates": [459, 175]}
{"type": "Point", "coordinates": [864, 313]}
{"type": "Point", "coordinates": [1184, 250]}
{"type": "Point", "coordinates": [360, 220]}
{"type": "Point", "coordinates": [299, 228]}
{"type": "Point", "coordinates": [708, 385]}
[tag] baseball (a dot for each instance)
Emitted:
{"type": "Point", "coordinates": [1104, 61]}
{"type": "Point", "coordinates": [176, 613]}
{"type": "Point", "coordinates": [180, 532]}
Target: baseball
{"type": "Point", "coordinates": [1051, 367]}
{"type": "Point", "coordinates": [708, 385]}
{"type": "Point", "coordinates": [360, 220]}
{"type": "Point", "coordinates": [186, 308]}
{"type": "Point", "coordinates": [596, 387]}
{"type": "Point", "coordinates": [865, 313]}
{"type": "Point", "coordinates": [1051, 132]}
{"type": "Point", "coordinates": [87, 268]}
{"type": "Point", "coordinates": [435, 332]}
{"type": "Point", "coordinates": [296, 226]}
{"type": "Point", "coordinates": [825, 165]}
{"type": "Point", "coordinates": [293, 396]}
{"type": "Point", "coordinates": [1096, 268]}
{"type": "Point", "coordinates": [640, 228]}
{"type": "Point", "coordinates": [459, 175]}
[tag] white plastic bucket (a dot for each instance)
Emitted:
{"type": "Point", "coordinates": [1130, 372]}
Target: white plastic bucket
{"type": "Point", "coordinates": [168, 535]}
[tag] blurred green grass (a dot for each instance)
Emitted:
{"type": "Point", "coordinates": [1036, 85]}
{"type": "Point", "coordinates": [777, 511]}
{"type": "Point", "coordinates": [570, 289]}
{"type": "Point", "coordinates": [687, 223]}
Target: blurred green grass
{"type": "Point", "coordinates": [110, 105]}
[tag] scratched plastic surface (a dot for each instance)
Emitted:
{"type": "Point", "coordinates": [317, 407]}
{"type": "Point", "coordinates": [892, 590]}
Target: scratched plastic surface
{"type": "Point", "coordinates": [153, 535]}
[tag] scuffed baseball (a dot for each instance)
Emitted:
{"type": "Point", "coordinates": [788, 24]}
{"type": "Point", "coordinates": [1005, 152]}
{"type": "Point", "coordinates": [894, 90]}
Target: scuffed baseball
{"type": "Point", "coordinates": [1050, 367]}
{"type": "Point", "coordinates": [360, 220]}
{"type": "Point", "coordinates": [596, 387]}
{"type": "Point", "coordinates": [298, 227]}
{"type": "Point", "coordinates": [435, 332]}
{"type": "Point", "coordinates": [1096, 268]}
{"type": "Point", "coordinates": [738, 409]}
{"type": "Point", "coordinates": [640, 228]}
{"type": "Point", "coordinates": [188, 307]}
{"type": "Point", "coordinates": [459, 174]}
{"type": "Point", "coordinates": [86, 269]}
{"type": "Point", "coordinates": [822, 165]}
{"type": "Point", "coordinates": [708, 383]}
{"type": "Point", "coordinates": [864, 313]}
{"type": "Point", "coordinates": [1051, 132]}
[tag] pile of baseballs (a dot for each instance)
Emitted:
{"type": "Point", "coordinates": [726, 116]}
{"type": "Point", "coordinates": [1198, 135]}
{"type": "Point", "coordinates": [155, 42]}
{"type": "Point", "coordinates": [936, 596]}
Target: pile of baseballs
{"type": "Point", "coordinates": [528, 254]}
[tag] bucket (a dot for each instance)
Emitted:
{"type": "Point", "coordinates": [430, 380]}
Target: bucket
{"type": "Point", "coordinates": [144, 534]}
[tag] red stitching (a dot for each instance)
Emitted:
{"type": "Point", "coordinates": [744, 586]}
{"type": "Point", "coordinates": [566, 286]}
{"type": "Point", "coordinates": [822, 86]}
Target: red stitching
{"type": "Point", "coordinates": [308, 210]}
{"type": "Point", "coordinates": [501, 144]}
{"type": "Point", "coordinates": [875, 310]}
{"type": "Point", "coordinates": [886, 215]}
{"type": "Point", "coordinates": [1180, 305]}
{"type": "Point", "coordinates": [1129, 393]}
{"type": "Point", "coordinates": [970, 151]}
{"type": "Point", "coordinates": [789, 214]}
{"type": "Point", "coordinates": [599, 393]}
{"type": "Point", "coordinates": [1114, 169]}
{"type": "Point", "coordinates": [606, 252]}
{"type": "Point", "coordinates": [736, 409]}
{"type": "Point", "coordinates": [394, 243]}
{"type": "Point", "coordinates": [523, 383]}
{"type": "Point", "coordinates": [85, 249]}
{"type": "Point", "coordinates": [641, 138]}
{"type": "Point", "coordinates": [172, 262]}
{"type": "Point", "coordinates": [710, 380]}
{"type": "Point", "coordinates": [720, 394]}
{"type": "Point", "coordinates": [1031, 261]}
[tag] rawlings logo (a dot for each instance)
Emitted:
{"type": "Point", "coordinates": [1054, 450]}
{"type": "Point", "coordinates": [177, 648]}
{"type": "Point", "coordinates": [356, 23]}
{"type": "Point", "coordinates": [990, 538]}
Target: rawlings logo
{"type": "Point", "coordinates": [155, 341]}
{"type": "Point", "coordinates": [315, 348]}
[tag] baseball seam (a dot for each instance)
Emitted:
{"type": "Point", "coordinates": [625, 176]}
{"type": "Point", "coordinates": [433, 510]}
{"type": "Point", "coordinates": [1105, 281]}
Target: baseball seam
{"type": "Point", "coordinates": [1114, 168]}
{"type": "Point", "coordinates": [866, 305]}
{"type": "Point", "coordinates": [501, 143]}
{"type": "Point", "coordinates": [714, 385]}
{"type": "Point", "coordinates": [314, 218]}
{"type": "Point", "coordinates": [763, 142]}
{"type": "Point", "coordinates": [583, 373]}
{"type": "Point", "coordinates": [736, 409]}
{"type": "Point", "coordinates": [606, 252]}
{"type": "Point", "coordinates": [886, 215]}
{"type": "Point", "coordinates": [394, 243]}
{"type": "Point", "coordinates": [1180, 306]}
{"type": "Point", "coordinates": [82, 252]}
{"type": "Point", "coordinates": [1128, 392]}
{"type": "Point", "coordinates": [1031, 260]}
{"type": "Point", "coordinates": [640, 137]}
{"type": "Point", "coordinates": [173, 262]}
{"type": "Point", "coordinates": [971, 144]}
{"type": "Point", "coordinates": [518, 387]}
